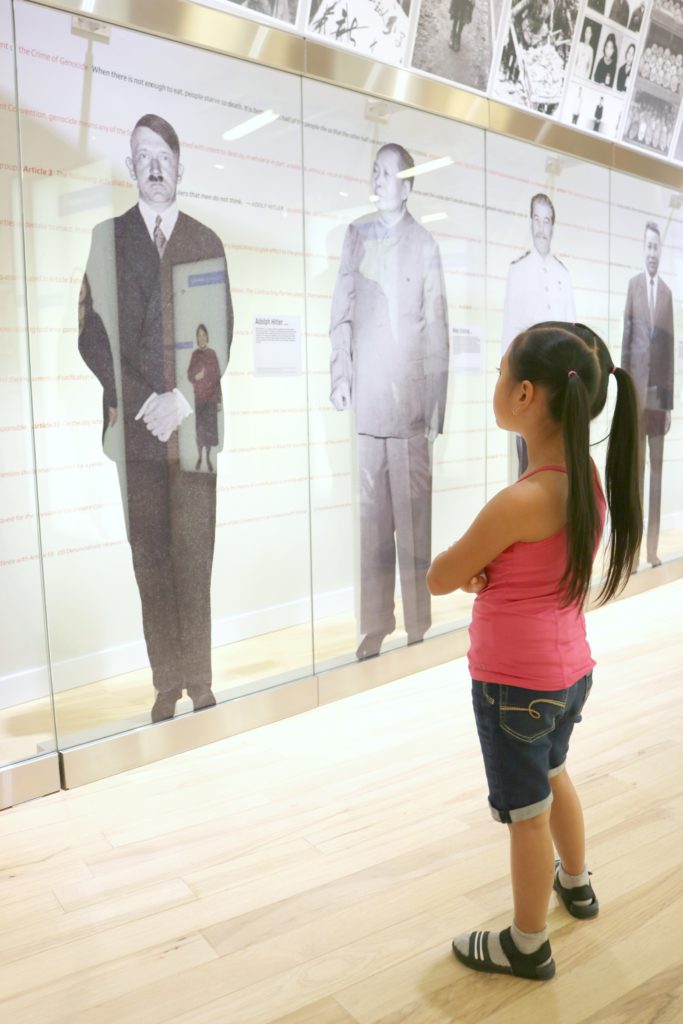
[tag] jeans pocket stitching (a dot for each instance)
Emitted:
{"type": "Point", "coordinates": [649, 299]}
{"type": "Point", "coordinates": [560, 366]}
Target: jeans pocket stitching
{"type": "Point", "coordinates": [533, 713]}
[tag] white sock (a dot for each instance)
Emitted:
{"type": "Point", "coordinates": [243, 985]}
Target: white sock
{"type": "Point", "coordinates": [526, 942]}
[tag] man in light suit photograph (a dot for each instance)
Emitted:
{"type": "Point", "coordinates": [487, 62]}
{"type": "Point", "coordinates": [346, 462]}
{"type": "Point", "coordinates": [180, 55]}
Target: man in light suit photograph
{"type": "Point", "coordinates": [143, 265]}
{"type": "Point", "coordinates": [538, 287]}
{"type": "Point", "coordinates": [647, 352]}
{"type": "Point", "coordinates": [389, 363]}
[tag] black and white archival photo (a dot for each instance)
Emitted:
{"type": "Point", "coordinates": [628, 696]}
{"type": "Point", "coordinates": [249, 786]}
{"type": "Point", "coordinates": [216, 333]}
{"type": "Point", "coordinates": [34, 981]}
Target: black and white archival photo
{"type": "Point", "coordinates": [454, 40]}
{"type": "Point", "coordinates": [606, 65]}
{"type": "Point", "coordinates": [534, 60]}
{"type": "Point", "coordinates": [656, 98]}
{"type": "Point", "coordinates": [279, 10]}
{"type": "Point", "coordinates": [377, 28]}
{"type": "Point", "coordinates": [601, 70]}
{"type": "Point", "coordinates": [650, 122]}
{"type": "Point", "coordinates": [627, 13]}
{"type": "Point", "coordinates": [585, 50]}
{"type": "Point", "coordinates": [593, 109]}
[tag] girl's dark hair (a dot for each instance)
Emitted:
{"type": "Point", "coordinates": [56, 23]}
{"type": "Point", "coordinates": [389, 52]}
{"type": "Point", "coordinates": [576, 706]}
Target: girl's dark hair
{"type": "Point", "coordinates": [201, 327]}
{"type": "Point", "coordinates": [573, 364]}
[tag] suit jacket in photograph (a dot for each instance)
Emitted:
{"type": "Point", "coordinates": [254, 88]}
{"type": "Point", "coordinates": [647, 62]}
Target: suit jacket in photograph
{"type": "Point", "coordinates": [133, 293]}
{"type": "Point", "coordinates": [389, 328]}
{"type": "Point", "coordinates": [647, 351]}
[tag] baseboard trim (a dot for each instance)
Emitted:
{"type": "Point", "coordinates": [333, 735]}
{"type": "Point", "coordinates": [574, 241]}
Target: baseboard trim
{"type": "Point", "coordinates": [99, 759]}
{"type": "Point", "coordinates": [102, 758]}
{"type": "Point", "coordinates": [29, 779]}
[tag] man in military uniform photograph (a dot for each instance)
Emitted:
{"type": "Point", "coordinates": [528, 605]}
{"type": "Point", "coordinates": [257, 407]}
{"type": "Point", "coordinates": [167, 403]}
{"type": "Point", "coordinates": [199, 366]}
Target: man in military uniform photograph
{"type": "Point", "coordinates": [141, 268]}
{"type": "Point", "coordinates": [389, 363]}
{"type": "Point", "coordinates": [538, 287]}
{"type": "Point", "coordinates": [647, 352]}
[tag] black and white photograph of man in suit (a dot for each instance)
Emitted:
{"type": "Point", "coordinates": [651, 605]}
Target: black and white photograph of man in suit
{"type": "Point", "coordinates": [647, 352]}
{"type": "Point", "coordinates": [143, 270]}
{"type": "Point", "coordinates": [454, 40]}
{"type": "Point", "coordinates": [389, 365]}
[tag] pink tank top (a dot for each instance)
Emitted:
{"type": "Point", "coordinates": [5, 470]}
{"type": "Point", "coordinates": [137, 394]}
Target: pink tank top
{"type": "Point", "coordinates": [520, 635]}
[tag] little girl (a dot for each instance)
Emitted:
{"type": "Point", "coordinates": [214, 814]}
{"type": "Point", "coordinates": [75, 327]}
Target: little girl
{"type": "Point", "coordinates": [528, 557]}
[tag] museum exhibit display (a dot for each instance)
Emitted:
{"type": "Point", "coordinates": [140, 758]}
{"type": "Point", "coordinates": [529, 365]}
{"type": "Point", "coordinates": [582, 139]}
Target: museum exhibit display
{"type": "Point", "coordinates": [255, 294]}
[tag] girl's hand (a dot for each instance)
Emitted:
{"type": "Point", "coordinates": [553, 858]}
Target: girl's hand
{"type": "Point", "coordinates": [476, 584]}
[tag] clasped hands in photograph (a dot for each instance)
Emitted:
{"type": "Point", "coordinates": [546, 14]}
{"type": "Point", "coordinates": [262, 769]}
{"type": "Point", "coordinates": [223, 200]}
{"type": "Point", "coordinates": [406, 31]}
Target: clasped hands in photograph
{"type": "Point", "coordinates": [163, 414]}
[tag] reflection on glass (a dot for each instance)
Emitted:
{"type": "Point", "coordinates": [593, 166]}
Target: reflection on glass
{"type": "Point", "coordinates": [26, 721]}
{"type": "Point", "coordinates": [252, 125]}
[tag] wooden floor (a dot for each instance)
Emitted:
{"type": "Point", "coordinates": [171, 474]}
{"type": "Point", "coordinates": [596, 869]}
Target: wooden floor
{"type": "Point", "coordinates": [315, 870]}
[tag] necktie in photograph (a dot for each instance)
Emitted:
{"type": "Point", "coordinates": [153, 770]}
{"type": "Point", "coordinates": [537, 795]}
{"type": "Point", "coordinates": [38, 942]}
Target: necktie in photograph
{"type": "Point", "coordinates": [652, 302]}
{"type": "Point", "coordinates": [159, 237]}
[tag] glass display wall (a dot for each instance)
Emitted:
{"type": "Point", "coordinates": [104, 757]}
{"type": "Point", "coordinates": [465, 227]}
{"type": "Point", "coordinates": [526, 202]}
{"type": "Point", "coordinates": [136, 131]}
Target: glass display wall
{"type": "Point", "coordinates": [250, 332]}
{"type": "Point", "coordinates": [26, 720]}
{"type": "Point", "coordinates": [397, 316]}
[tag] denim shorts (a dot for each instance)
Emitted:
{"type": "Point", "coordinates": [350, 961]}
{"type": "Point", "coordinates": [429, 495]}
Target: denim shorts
{"type": "Point", "coordinates": [524, 737]}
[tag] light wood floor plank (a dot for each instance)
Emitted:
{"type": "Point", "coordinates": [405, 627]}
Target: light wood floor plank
{"type": "Point", "coordinates": [659, 1000]}
{"type": "Point", "coordinates": [269, 995]}
{"type": "Point", "coordinates": [82, 990]}
{"type": "Point", "coordinates": [327, 1011]}
{"type": "Point", "coordinates": [42, 932]}
{"type": "Point", "coordinates": [315, 871]}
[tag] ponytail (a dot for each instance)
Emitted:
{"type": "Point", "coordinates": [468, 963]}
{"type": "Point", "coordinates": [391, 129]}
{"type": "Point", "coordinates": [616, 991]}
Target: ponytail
{"type": "Point", "coordinates": [574, 365]}
{"type": "Point", "coordinates": [583, 521]}
{"type": "Point", "coordinates": [558, 356]}
{"type": "Point", "coordinates": [622, 487]}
